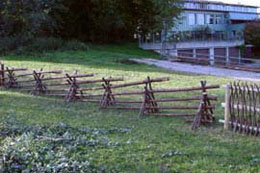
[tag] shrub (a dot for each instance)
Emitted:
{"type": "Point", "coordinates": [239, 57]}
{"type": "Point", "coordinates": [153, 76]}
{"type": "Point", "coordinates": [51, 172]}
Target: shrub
{"type": "Point", "coordinates": [44, 44]}
{"type": "Point", "coordinates": [57, 148]}
{"type": "Point", "coordinates": [252, 33]}
{"type": "Point", "coordinates": [75, 45]}
{"type": "Point", "coordinates": [12, 43]}
{"type": "Point", "coordinates": [25, 45]}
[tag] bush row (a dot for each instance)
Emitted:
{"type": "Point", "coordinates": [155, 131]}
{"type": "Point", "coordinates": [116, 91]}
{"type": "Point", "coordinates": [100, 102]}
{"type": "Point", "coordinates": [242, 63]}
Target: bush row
{"type": "Point", "coordinates": [24, 45]}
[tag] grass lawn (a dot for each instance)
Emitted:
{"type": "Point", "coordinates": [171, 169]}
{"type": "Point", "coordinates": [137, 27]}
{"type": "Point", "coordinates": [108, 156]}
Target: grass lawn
{"type": "Point", "coordinates": [123, 142]}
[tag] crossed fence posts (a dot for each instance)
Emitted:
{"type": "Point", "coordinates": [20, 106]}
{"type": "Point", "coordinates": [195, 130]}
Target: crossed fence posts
{"type": "Point", "coordinates": [149, 105]}
{"type": "Point", "coordinates": [9, 80]}
{"type": "Point", "coordinates": [205, 112]}
{"type": "Point", "coordinates": [242, 100]}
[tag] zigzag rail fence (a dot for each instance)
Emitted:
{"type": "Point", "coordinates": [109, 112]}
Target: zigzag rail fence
{"type": "Point", "coordinates": [242, 108]}
{"type": "Point", "coordinates": [107, 98]}
{"type": "Point", "coordinates": [37, 83]}
{"type": "Point", "coordinates": [150, 103]}
{"type": "Point", "coordinates": [8, 78]}
{"type": "Point", "coordinates": [75, 92]}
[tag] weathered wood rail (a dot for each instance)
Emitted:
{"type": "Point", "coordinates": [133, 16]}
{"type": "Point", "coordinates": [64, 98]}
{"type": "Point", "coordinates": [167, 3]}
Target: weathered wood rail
{"type": "Point", "coordinates": [8, 77]}
{"type": "Point", "coordinates": [78, 92]}
{"type": "Point", "coordinates": [108, 97]}
{"type": "Point", "coordinates": [42, 82]}
{"type": "Point", "coordinates": [242, 108]}
{"type": "Point", "coordinates": [149, 104]}
{"type": "Point", "coordinates": [73, 87]}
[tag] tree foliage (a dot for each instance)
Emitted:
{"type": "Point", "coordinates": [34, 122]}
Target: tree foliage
{"type": "Point", "coordinates": [112, 20]}
{"type": "Point", "coordinates": [252, 33]}
{"type": "Point", "coordinates": [87, 20]}
{"type": "Point", "coordinates": [31, 17]}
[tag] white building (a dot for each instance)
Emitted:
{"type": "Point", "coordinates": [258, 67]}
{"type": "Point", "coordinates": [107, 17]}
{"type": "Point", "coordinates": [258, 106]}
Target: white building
{"type": "Point", "coordinates": [205, 29]}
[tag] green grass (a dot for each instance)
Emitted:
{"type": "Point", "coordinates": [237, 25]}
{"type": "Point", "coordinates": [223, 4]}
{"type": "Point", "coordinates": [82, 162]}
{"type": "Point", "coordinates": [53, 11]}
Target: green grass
{"type": "Point", "coordinates": [154, 144]}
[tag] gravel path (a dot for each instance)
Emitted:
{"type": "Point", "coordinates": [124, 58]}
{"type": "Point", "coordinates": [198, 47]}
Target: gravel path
{"type": "Point", "coordinates": [203, 70]}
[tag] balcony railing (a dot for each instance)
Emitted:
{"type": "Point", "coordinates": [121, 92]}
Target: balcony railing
{"type": "Point", "coordinates": [173, 37]}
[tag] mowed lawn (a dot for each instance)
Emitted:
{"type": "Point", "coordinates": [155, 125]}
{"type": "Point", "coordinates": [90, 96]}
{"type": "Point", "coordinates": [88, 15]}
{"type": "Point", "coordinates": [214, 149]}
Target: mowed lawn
{"type": "Point", "coordinates": [146, 144]}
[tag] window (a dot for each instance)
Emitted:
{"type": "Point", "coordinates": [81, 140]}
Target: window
{"type": "Point", "coordinates": [203, 6]}
{"type": "Point", "coordinates": [210, 19]}
{"type": "Point", "coordinates": [234, 33]}
{"type": "Point", "coordinates": [183, 20]}
{"type": "Point", "coordinates": [226, 19]}
{"type": "Point", "coordinates": [207, 19]}
{"type": "Point", "coordinates": [191, 19]}
{"type": "Point", "coordinates": [200, 19]}
{"type": "Point", "coordinates": [219, 19]}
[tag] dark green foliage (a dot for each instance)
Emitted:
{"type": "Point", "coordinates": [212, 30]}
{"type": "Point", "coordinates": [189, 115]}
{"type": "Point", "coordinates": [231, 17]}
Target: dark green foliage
{"type": "Point", "coordinates": [51, 149]}
{"type": "Point", "coordinates": [53, 44]}
{"type": "Point", "coordinates": [12, 42]}
{"type": "Point", "coordinates": [91, 20]}
{"type": "Point", "coordinates": [74, 45]}
{"type": "Point", "coordinates": [44, 44]}
{"type": "Point", "coordinates": [252, 33]}
{"type": "Point", "coordinates": [39, 45]}
{"type": "Point", "coordinates": [115, 20]}
{"type": "Point", "coordinates": [27, 17]}
{"type": "Point", "coordinates": [23, 21]}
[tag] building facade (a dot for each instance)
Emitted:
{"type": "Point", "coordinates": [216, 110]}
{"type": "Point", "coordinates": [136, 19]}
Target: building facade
{"type": "Point", "coordinates": [211, 20]}
{"type": "Point", "coordinates": [205, 29]}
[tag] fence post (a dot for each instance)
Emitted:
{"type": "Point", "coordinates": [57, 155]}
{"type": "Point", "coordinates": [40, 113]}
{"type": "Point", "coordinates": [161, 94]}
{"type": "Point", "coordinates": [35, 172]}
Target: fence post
{"type": "Point", "coordinates": [227, 108]}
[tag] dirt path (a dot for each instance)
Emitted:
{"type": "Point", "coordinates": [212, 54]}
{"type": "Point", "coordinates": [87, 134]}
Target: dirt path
{"type": "Point", "coordinates": [203, 70]}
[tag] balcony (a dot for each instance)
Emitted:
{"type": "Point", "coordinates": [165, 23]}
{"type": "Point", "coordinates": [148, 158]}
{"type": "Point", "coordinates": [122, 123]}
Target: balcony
{"type": "Point", "coordinates": [189, 40]}
{"type": "Point", "coordinates": [190, 36]}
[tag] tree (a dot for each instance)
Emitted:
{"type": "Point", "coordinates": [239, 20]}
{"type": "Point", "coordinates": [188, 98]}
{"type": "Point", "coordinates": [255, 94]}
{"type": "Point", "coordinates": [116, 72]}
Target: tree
{"type": "Point", "coordinates": [87, 20]}
{"type": "Point", "coordinates": [29, 17]}
{"type": "Point", "coordinates": [252, 33]}
{"type": "Point", "coordinates": [115, 20]}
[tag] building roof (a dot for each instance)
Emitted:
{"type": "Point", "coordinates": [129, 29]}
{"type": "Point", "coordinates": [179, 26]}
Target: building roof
{"type": "Point", "coordinates": [220, 3]}
{"type": "Point", "coordinates": [241, 16]}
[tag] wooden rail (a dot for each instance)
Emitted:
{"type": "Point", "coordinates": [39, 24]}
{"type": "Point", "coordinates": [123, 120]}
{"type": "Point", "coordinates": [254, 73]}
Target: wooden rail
{"type": "Point", "coordinates": [40, 72]}
{"type": "Point", "coordinates": [150, 104]}
{"type": "Point", "coordinates": [39, 84]}
{"type": "Point", "coordinates": [13, 69]}
{"type": "Point", "coordinates": [62, 77]}
{"type": "Point", "coordinates": [164, 107]}
{"type": "Point", "coordinates": [126, 93]}
{"type": "Point", "coordinates": [79, 82]}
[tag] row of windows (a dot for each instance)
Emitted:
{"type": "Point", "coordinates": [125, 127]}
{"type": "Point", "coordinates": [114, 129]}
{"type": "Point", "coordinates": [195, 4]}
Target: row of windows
{"type": "Point", "coordinates": [202, 19]}
{"type": "Point", "coordinates": [221, 7]}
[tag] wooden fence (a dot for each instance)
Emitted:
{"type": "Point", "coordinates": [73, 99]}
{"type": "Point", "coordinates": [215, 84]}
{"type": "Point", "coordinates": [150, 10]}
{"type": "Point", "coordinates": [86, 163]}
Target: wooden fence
{"type": "Point", "coordinates": [77, 92]}
{"type": "Point", "coordinates": [7, 76]}
{"type": "Point", "coordinates": [242, 108]}
{"type": "Point", "coordinates": [40, 82]}
{"type": "Point", "coordinates": [75, 87]}
{"type": "Point", "coordinates": [152, 102]}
